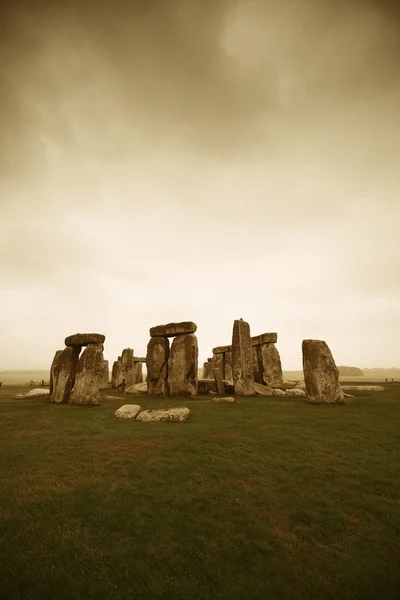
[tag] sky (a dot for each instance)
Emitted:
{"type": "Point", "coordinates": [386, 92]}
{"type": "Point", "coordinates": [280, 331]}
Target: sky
{"type": "Point", "coordinates": [204, 160]}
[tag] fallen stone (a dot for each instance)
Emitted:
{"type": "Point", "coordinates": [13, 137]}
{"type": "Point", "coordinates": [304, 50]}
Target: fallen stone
{"type": "Point", "coordinates": [86, 389]}
{"type": "Point", "coordinates": [173, 329]}
{"type": "Point", "coordinates": [262, 390]}
{"type": "Point", "coordinates": [295, 392]}
{"type": "Point", "coordinates": [222, 399]}
{"type": "Point", "coordinates": [348, 395]}
{"type": "Point", "coordinates": [179, 415]}
{"type": "Point", "coordinates": [137, 389]}
{"type": "Point", "coordinates": [35, 393]}
{"type": "Point", "coordinates": [242, 360]}
{"type": "Point", "coordinates": [321, 375]}
{"type": "Point", "coordinates": [83, 339]}
{"type": "Point", "coordinates": [157, 366]}
{"type": "Point", "coordinates": [183, 366]}
{"type": "Point", "coordinates": [64, 373]}
{"type": "Point", "coordinates": [128, 411]}
{"type": "Point", "coordinates": [278, 392]}
{"type": "Point", "coordinates": [112, 398]}
{"type": "Point", "coordinates": [363, 388]}
{"type": "Point", "coordinates": [264, 338]}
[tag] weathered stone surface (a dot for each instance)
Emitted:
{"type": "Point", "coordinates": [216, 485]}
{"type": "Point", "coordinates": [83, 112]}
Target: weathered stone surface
{"type": "Point", "coordinates": [221, 349]}
{"type": "Point", "coordinates": [223, 400]}
{"type": "Point", "coordinates": [173, 329]}
{"type": "Point", "coordinates": [86, 389]}
{"type": "Point", "coordinates": [83, 339]}
{"type": "Point", "coordinates": [183, 366]}
{"type": "Point", "coordinates": [157, 366]}
{"type": "Point", "coordinates": [128, 411]}
{"type": "Point", "coordinates": [112, 398]}
{"type": "Point", "coordinates": [103, 375]}
{"type": "Point", "coordinates": [57, 354]}
{"type": "Point", "coordinates": [128, 372]}
{"type": "Point", "coordinates": [218, 363]}
{"type": "Point", "coordinates": [204, 386]}
{"type": "Point", "coordinates": [141, 359]}
{"type": "Point", "coordinates": [262, 390]}
{"type": "Point", "coordinates": [321, 376]}
{"type": "Point", "coordinates": [137, 389]}
{"type": "Point", "coordinates": [179, 415]}
{"type": "Point", "coordinates": [301, 385]}
{"type": "Point", "coordinates": [271, 365]}
{"type": "Point", "coordinates": [219, 382]}
{"type": "Point", "coordinates": [207, 370]}
{"type": "Point", "coordinates": [242, 360]}
{"type": "Point", "coordinates": [64, 373]}
{"type": "Point", "coordinates": [137, 371]}
{"type": "Point", "coordinates": [295, 392]}
{"type": "Point", "coordinates": [363, 388]}
{"type": "Point", "coordinates": [264, 338]}
{"type": "Point", "coordinates": [228, 374]}
{"type": "Point", "coordinates": [278, 392]}
{"type": "Point", "coordinates": [116, 374]}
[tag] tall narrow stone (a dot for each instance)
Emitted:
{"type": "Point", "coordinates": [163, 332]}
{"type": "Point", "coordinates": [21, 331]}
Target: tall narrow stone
{"type": "Point", "coordinates": [57, 354]}
{"type": "Point", "coordinates": [207, 370]}
{"type": "Point", "coordinates": [228, 366]}
{"type": "Point", "coordinates": [183, 366]}
{"type": "Point", "coordinates": [116, 374]}
{"type": "Point", "coordinates": [138, 371]}
{"type": "Point", "coordinates": [242, 359]}
{"type": "Point", "coordinates": [257, 364]}
{"type": "Point", "coordinates": [64, 374]}
{"type": "Point", "coordinates": [321, 376]}
{"type": "Point", "coordinates": [86, 389]}
{"type": "Point", "coordinates": [271, 365]}
{"type": "Point", "coordinates": [157, 366]}
{"type": "Point", "coordinates": [128, 372]}
{"type": "Point", "coordinates": [219, 382]}
{"type": "Point", "coordinates": [103, 375]}
{"type": "Point", "coordinates": [218, 363]}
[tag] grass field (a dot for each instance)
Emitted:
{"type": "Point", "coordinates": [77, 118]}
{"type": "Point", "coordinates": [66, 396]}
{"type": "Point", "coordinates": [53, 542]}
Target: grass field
{"type": "Point", "coordinates": [263, 499]}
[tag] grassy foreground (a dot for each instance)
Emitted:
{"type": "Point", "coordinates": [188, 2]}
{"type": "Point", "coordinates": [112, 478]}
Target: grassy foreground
{"type": "Point", "coordinates": [263, 499]}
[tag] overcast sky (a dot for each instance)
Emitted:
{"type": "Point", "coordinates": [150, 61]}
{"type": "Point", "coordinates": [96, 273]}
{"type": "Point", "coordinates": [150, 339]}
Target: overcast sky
{"type": "Point", "coordinates": [200, 160]}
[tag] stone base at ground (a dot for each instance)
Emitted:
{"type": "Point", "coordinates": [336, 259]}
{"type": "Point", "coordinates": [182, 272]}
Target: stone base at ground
{"type": "Point", "coordinates": [35, 393]}
{"type": "Point", "coordinates": [128, 411]}
{"type": "Point", "coordinates": [278, 392]}
{"type": "Point", "coordinates": [179, 415]}
{"type": "Point", "coordinates": [138, 389]}
{"type": "Point", "coordinates": [363, 388]}
{"type": "Point", "coordinates": [262, 390]}
{"type": "Point", "coordinates": [222, 399]}
{"type": "Point", "coordinates": [295, 392]}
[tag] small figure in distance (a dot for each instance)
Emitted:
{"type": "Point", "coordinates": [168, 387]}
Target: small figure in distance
{"type": "Point", "coordinates": [121, 387]}
{"type": "Point", "coordinates": [31, 382]}
{"type": "Point", "coordinates": [1, 383]}
{"type": "Point", "coordinates": [386, 379]}
{"type": "Point", "coordinates": [42, 382]}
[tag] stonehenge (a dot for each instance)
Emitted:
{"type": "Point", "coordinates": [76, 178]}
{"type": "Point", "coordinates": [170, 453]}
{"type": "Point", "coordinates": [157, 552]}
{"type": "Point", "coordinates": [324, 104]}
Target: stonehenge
{"type": "Point", "coordinates": [208, 369]}
{"type": "Point", "coordinates": [267, 367]}
{"type": "Point", "coordinates": [321, 375]}
{"type": "Point", "coordinates": [129, 368]}
{"type": "Point", "coordinates": [76, 377]}
{"type": "Point", "coordinates": [172, 371]}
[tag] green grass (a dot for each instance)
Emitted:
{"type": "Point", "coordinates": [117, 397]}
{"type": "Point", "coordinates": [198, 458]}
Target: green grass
{"type": "Point", "coordinates": [263, 499]}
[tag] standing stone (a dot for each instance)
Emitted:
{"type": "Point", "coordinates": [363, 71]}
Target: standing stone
{"type": "Point", "coordinates": [86, 389]}
{"type": "Point", "coordinates": [128, 372]}
{"type": "Point", "coordinates": [157, 366]}
{"type": "Point", "coordinates": [183, 366]}
{"type": "Point", "coordinates": [321, 375]}
{"type": "Point", "coordinates": [228, 366]}
{"type": "Point", "coordinates": [138, 371]}
{"type": "Point", "coordinates": [219, 382]}
{"type": "Point", "coordinates": [116, 374]}
{"type": "Point", "coordinates": [242, 359]}
{"type": "Point", "coordinates": [207, 370]}
{"type": "Point", "coordinates": [64, 373]}
{"type": "Point", "coordinates": [103, 375]}
{"type": "Point", "coordinates": [257, 364]}
{"type": "Point", "coordinates": [218, 363]}
{"type": "Point", "coordinates": [57, 354]}
{"type": "Point", "coordinates": [271, 365]}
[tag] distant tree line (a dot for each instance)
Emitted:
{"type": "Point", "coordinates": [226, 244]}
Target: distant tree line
{"type": "Point", "coordinates": [350, 371]}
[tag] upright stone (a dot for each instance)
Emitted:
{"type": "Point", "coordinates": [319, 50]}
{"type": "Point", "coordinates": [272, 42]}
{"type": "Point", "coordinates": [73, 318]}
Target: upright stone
{"type": "Point", "coordinates": [183, 366]}
{"type": "Point", "coordinates": [103, 375]}
{"type": "Point", "coordinates": [138, 371]}
{"type": "Point", "coordinates": [57, 354]}
{"type": "Point", "coordinates": [218, 363]}
{"type": "Point", "coordinates": [271, 365]}
{"type": "Point", "coordinates": [321, 376]}
{"type": "Point", "coordinates": [128, 372]}
{"type": "Point", "coordinates": [219, 382]}
{"type": "Point", "coordinates": [242, 359]}
{"type": "Point", "coordinates": [86, 389]}
{"type": "Point", "coordinates": [157, 366]}
{"type": "Point", "coordinates": [257, 364]}
{"type": "Point", "coordinates": [207, 370]}
{"type": "Point", "coordinates": [64, 374]}
{"type": "Point", "coordinates": [116, 374]}
{"type": "Point", "coordinates": [228, 366]}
